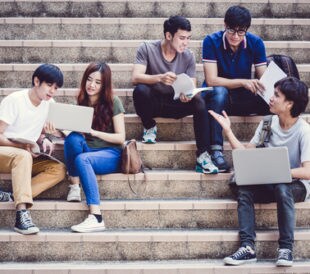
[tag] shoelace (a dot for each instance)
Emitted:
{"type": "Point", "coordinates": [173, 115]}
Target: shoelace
{"type": "Point", "coordinates": [150, 131]}
{"type": "Point", "coordinates": [242, 250]}
{"type": "Point", "coordinates": [26, 219]}
{"type": "Point", "coordinates": [5, 196]}
{"type": "Point", "coordinates": [284, 253]}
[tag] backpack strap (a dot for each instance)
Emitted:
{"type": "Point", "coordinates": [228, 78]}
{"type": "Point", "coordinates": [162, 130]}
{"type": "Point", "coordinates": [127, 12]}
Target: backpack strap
{"type": "Point", "coordinates": [266, 131]}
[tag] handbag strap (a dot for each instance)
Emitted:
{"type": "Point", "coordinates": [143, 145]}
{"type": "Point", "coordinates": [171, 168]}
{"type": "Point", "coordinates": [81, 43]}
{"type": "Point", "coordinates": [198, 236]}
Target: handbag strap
{"type": "Point", "coordinates": [266, 131]}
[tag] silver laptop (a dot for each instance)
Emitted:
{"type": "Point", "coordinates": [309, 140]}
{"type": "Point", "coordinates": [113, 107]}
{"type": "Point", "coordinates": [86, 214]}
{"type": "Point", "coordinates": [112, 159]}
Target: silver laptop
{"type": "Point", "coordinates": [261, 166]}
{"type": "Point", "coordinates": [70, 117]}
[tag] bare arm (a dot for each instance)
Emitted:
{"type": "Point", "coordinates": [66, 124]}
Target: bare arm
{"type": "Point", "coordinates": [212, 79]}
{"type": "Point", "coordinates": [224, 121]}
{"type": "Point", "coordinates": [119, 128]}
{"type": "Point", "coordinates": [139, 76]}
{"type": "Point", "coordinates": [302, 172]}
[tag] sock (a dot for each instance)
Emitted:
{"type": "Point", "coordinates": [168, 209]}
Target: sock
{"type": "Point", "coordinates": [98, 217]}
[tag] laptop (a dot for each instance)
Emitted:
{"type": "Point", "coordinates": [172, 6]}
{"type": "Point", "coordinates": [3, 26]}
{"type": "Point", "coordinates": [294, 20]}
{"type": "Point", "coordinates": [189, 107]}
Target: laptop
{"type": "Point", "coordinates": [261, 166]}
{"type": "Point", "coordinates": [70, 117]}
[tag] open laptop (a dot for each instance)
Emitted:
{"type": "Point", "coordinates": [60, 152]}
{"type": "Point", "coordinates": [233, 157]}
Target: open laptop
{"type": "Point", "coordinates": [70, 117]}
{"type": "Point", "coordinates": [261, 166]}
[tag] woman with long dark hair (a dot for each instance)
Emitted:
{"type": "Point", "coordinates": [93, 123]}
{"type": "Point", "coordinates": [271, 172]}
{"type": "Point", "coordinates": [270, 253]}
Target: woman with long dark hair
{"type": "Point", "coordinates": [100, 151]}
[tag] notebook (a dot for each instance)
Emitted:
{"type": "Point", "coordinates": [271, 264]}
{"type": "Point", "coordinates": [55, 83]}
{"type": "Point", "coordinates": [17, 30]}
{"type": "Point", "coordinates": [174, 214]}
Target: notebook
{"type": "Point", "coordinates": [70, 117]}
{"type": "Point", "coordinates": [261, 166]}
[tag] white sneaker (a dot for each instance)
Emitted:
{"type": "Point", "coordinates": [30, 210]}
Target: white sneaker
{"type": "Point", "coordinates": [149, 135]}
{"type": "Point", "coordinates": [90, 224]}
{"type": "Point", "coordinates": [74, 194]}
{"type": "Point", "coordinates": [205, 164]}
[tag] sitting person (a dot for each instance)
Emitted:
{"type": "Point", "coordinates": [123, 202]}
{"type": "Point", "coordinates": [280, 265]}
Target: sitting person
{"type": "Point", "coordinates": [287, 129]}
{"type": "Point", "coordinates": [156, 67]}
{"type": "Point", "coordinates": [227, 58]}
{"type": "Point", "coordinates": [22, 115]}
{"type": "Point", "coordinates": [100, 151]}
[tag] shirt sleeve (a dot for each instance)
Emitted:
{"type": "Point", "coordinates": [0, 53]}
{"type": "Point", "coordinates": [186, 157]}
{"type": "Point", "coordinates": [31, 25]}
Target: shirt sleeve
{"type": "Point", "coordinates": [117, 106]}
{"type": "Point", "coordinates": [208, 53]}
{"type": "Point", "coordinates": [305, 146]}
{"type": "Point", "coordinates": [8, 110]}
{"type": "Point", "coordinates": [142, 57]}
{"type": "Point", "coordinates": [260, 54]}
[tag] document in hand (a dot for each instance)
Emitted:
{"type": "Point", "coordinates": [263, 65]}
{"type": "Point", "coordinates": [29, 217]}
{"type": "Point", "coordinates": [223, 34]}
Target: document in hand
{"type": "Point", "coordinates": [35, 149]}
{"type": "Point", "coordinates": [184, 84]}
{"type": "Point", "coordinates": [271, 75]}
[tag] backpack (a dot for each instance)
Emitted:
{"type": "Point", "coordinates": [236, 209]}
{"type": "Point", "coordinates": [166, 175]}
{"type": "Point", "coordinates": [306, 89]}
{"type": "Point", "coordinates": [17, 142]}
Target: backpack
{"type": "Point", "coordinates": [131, 160]}
{"type": "Point", "coordinates": [286, 63]}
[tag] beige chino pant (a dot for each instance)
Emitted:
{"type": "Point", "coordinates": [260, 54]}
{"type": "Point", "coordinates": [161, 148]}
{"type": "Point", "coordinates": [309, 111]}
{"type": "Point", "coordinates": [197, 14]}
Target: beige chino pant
{"type": "Point", "coordinates": [30, 177]}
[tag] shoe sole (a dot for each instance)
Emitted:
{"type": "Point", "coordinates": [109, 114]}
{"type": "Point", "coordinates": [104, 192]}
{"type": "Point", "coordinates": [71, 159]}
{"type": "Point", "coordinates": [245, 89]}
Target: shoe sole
{"type": "Point", "coordinates": [74, 199]}
{"type": "Point", "coordinates": [230, 261]}
{"type": "Point", "coordinates": [149, 142]}
{"type": "Point", "coordinates": [284, 263]}
{"type": "Point", "coordinates": [201, 170]}
{"type": "Point", "coordinates": [88, 230]}
{"type": "Point", "coordinates": [27, 232]}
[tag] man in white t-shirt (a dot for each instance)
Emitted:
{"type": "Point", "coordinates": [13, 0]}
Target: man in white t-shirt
{"type": "Point", "coordinates": [22, 115]}
{"type": "Point", "coordinates": [290, 99]}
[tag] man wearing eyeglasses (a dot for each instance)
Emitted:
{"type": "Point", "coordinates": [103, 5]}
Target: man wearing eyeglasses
{"type": "Point", "coordinates": [227, 58]}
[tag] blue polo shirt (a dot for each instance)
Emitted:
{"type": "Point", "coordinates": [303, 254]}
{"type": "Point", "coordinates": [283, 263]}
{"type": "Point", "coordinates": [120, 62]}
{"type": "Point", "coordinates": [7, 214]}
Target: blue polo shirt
{"type": "Point", "coordinates": [234, 65]}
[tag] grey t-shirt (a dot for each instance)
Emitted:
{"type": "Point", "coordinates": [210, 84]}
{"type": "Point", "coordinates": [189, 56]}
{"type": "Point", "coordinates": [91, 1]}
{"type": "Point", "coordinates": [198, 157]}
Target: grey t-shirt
{"type": "Point", "coordinates": [296, 139]}
{"type": "Point", "coordinates": [150, 55]}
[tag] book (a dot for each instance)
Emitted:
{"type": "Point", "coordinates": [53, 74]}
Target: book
{"type": "Point", "coordinates": [184, 84]}
{"type": "Point", "coordinates": [272, 74]}
{"type": "Point", "coordinates": [35, 149]}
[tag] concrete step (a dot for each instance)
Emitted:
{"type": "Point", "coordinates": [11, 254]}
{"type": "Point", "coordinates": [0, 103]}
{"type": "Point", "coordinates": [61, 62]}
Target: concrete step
{"type": "Point", "coordinates": [152, 214]}
{"type": "Point", "coordinates": [131, 245]}
{"type": "Point", "coordinates": [68, 95]}
{"type": "Point", "coordinates": [139, 28]}
{"type": "Point", "coordinates": [147, 8]}
{"type": "Point", "coordinates": [114, 51]}
{"type": "Point", "coordinates": [201, 266]}
{"type": "Point", "coordinates": [19, 75]}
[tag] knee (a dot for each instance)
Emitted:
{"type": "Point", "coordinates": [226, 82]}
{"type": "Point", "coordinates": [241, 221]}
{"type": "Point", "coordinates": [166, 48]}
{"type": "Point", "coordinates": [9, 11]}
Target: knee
{"type": "Point", "coordinates": [57, 169]}
{"type": "Point", "coordinates": [81, 160]}
{"type": "Point", "coordinates": [140, 91]}
{"type": "Point", "coordinates": [283, 193]}
{"type": "Point", "coordinates": [23, 156]}
{"type": "Point", "coordinates": [199, 103]}
{"type": "Point", "coordinates": [72, 138]}
{"type": "Point", "coordinates": [220, 95]}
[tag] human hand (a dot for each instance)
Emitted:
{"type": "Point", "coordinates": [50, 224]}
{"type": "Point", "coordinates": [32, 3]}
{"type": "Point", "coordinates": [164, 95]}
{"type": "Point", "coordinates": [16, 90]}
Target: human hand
{"type": "Point", "coordinates": [47, 145]}
{"type": "Point", "coordinates": [168, 78]}
{"type": "Point", "coordinates": [223, 120]}
{"type": "Point", "coordinates": [49, 128]}
{"type": "Point", "coordinates": [184, 98]}
{"type": "Point", "coordinates": [254, 85]}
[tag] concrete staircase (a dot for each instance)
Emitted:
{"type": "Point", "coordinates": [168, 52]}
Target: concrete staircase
{"type": "Point", "coordinates": [175, 221]}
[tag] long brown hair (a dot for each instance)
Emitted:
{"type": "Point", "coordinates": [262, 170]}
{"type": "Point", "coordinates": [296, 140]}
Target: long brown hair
{"type": "Point", "coordinates": [103, 109]}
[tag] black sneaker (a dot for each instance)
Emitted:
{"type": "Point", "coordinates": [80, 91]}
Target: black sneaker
{"type": "Point", "coordinates": [285, 257]}
{"type": "Point", "coordinates": [24, 224]}
{"type": "Point", "coordinates": [241, 256]}
{"type": "Point", "coordinates": [218, 159]}
{"type": "Point", "coordinates": [5, 196]}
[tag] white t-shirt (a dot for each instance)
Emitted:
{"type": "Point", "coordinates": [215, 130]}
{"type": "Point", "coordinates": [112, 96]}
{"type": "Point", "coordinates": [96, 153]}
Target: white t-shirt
{"type": "Point", "coordinates": [296, 139]}
{"type": "Point", "coordinates": [24, 119]}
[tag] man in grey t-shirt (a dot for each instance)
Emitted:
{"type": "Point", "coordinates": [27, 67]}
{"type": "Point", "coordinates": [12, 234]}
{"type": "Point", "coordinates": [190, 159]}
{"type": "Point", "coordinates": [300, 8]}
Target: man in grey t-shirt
{"type": "Point", "coordinates": [156, 67]}
{"type": "Point", "coordinates": [290, 99]}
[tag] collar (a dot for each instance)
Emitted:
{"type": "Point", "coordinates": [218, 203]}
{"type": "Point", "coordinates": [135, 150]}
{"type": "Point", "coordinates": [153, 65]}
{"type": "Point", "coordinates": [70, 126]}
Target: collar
{"type": "Point", "coordinates": [243, 42]}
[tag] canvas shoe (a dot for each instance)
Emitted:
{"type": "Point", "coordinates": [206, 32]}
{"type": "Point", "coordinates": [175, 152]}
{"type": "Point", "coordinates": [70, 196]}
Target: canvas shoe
{"type": "Point", "coordinates": [74, 194]}
{"type": "Point", "coordinates": [149, 135]}
{"type": "Point", "coordinates": [218, 159]}
{"type": "Point", "coordinates": [90, 224]}
{"type": "Point", "coordinates": [24, 224]}
{"type": "Point", "coordinates": [205, 165]}
{"type": "Point", "coordinates": [285, 257]}
{"type": "Point", "coordinates": [6, 196]}
{"type": "Point", "coordinates": [241, 256]}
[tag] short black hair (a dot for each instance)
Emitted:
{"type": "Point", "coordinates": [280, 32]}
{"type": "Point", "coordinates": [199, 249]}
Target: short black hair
{"type": "Point", "coordinates": [174, 23]}
{"type": "Point", "coordinates": [48, 73]}
{"type": "Point", "coordinates": [238, 17]}
{"type": "Point", "coordinates": [296, 91]}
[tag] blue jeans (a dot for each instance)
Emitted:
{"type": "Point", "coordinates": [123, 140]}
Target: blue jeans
{"type": "Point", "coordinates": [86, 162]}
{"type": "Point", "coordinates": [284, 195]}
{"type": "Point", "coordinates": [150, 103]}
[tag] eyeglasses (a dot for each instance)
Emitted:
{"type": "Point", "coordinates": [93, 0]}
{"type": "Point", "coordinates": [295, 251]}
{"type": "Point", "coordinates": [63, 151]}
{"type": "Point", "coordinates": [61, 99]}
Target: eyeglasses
{"type": "Point", "coordinates": [233, 32]}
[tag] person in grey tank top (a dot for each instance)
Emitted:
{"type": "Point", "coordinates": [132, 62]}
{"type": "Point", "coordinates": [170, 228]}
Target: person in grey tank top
{"type": "Point", "coordinates": [288, 129]}
{"type": "Point", "coordinates": [156, 67]}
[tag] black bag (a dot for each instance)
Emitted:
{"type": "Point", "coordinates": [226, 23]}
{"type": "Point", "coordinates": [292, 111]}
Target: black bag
{"type": "Point", "coordinates": [286, 63]}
